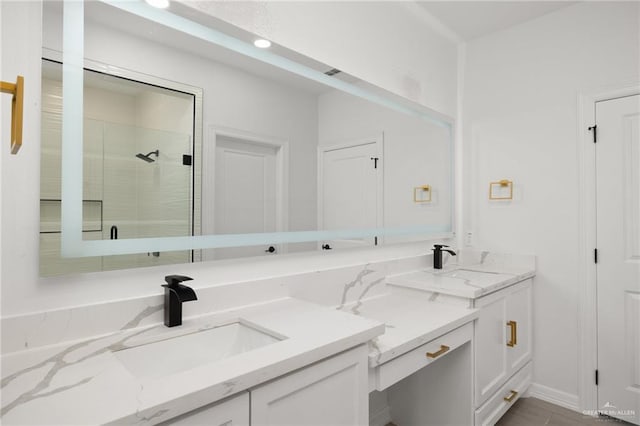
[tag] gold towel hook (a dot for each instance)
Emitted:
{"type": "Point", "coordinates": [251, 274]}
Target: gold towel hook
{"type": "Point", "coordinates": [17, 106]}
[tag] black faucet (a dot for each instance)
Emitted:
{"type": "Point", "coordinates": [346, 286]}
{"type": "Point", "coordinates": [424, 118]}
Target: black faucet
{"type": "Point", "coordinates": [174, 294]}
{"type": "Point", "coordinates": [437, 255]}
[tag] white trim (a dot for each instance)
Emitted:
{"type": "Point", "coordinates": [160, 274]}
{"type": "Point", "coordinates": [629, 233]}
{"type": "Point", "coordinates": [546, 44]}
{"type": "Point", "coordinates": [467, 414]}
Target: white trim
{"type": "Point", "coordinates": [208, 176]}
{"type": "Point", "coordinates": [379, 143]}
{"type": "Point", "coordinates": [554, 396]}
{"type": "Point", "coordinates": [587, 317]}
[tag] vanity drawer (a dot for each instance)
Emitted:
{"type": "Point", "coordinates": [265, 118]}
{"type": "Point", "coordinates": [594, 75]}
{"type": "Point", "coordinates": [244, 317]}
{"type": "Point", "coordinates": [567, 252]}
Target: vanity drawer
{"type": "Point", "coordinates": [233, 411]}
{"type": "Point", "coordinates": [498, 404]}
{"type": "Point", "coordinates": [398, 368]}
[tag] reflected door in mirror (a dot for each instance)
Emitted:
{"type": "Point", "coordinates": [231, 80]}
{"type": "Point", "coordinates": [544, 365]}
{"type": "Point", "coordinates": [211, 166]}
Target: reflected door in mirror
{"type": "Point", "coordinates": [350, 190]}
{"type": "Point", "coordinates": [245, 193]}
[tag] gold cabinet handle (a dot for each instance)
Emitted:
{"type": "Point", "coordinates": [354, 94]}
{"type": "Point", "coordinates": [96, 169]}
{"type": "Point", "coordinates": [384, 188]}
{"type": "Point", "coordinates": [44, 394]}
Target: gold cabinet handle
{"type": "Point", "coordinates": [443, 349]}
{"type": "Point", "coordinates": [511, 396]}
{"type": "Point", "coordinates": [514, 333]}
{"type": "Point", "coordinates": [17, 104]}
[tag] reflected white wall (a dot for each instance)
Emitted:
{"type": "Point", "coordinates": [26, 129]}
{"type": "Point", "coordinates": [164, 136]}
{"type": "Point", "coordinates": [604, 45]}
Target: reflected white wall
{"type": "Point", "coordinates": [416, 152]}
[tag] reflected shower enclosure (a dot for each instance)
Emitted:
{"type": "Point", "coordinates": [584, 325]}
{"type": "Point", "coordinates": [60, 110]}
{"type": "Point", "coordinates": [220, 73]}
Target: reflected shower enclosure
{"type": "Point", "coordinates": [135, 184]}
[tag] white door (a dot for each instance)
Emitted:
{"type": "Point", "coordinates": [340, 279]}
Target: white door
{"type": "Point", "coordinates": [350, 191]}
{"type": "Point", "coordinates": [618, 262]}
{"type": "Point", "coordinates": [245, 193]}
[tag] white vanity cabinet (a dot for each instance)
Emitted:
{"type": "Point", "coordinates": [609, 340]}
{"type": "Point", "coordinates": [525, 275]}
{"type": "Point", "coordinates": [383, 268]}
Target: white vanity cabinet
{"type": "Point", "coordinates": [502, 348]}
{"type": "Point", "coordinates": [331, 392]}
{"type": "Point", "coordinates": [233, 411]}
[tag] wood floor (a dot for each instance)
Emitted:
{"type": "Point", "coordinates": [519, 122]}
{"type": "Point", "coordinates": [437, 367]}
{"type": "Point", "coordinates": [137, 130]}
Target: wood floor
{"type": "Point", "coordinates": [533, 412]}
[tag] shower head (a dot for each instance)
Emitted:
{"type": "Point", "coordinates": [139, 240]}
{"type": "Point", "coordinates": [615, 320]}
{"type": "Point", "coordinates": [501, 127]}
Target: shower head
{"type": "Point", "coordinates": [147, 157]}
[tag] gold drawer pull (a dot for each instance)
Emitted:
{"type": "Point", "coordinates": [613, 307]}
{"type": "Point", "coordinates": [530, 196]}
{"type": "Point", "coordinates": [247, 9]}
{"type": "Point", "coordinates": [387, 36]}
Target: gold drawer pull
{"type": "Point", "coordinates": [511, 396]}
{"type": "Point", "coordinates": [514, 333]}
{"type": "Point", "coordinates": [443, 349]}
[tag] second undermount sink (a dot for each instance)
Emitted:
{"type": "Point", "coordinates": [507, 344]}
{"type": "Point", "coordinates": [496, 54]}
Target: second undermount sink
{"type": "Point", "coordinates": [187, 351]}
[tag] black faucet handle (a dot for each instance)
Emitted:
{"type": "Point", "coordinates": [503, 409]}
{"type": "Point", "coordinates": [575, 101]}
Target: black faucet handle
{"type": "Point", "coordinates": [175, 280]}
{"type": "Point", "coordinates": [438, 246]}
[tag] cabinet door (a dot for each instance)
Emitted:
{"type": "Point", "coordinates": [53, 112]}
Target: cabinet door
{"type": "Point", "coordinates": [518, 323]}
{"type": "Point", "coordinates": [491, 367]}
{"type": "Point", "coordinates": [230, 412]}
{"type": "Point", "coordinates": [330, 392]}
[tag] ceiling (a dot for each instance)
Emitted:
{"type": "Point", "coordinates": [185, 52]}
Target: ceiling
{"type": "Point", "coordinates": [473, 19]}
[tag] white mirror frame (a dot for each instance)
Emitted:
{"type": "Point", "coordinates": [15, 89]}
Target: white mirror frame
{"type": "Point", "coordinates": [72, 244]}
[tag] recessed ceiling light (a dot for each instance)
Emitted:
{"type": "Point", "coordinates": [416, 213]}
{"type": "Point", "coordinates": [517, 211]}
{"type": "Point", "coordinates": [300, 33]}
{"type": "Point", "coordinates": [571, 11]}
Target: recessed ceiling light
{"type": "Point", "coordinates": [160, 4]}
{"type": "Point", "coordinates": [262, 43]}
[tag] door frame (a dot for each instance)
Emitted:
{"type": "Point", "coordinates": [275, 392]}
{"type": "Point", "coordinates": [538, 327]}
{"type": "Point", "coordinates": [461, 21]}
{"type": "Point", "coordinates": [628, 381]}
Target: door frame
{"type": "Point", "coordinates": [378, 141]}
{"type": "Point", "coordinates": [587, 221]}
{"type": "Point", "coordinates": [281, 147]}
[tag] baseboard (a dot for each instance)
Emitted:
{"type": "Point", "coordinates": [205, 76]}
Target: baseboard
{"type": "Point", "coordinates": [554, 396]}
{"type": "Point", "coordinates": [381, 418]}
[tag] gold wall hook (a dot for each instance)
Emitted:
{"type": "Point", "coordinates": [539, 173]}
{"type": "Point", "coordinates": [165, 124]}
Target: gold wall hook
{"type": "Point", "coordinates": [17, 106]}
{"type": "Point", "coordinates": [422, 189]}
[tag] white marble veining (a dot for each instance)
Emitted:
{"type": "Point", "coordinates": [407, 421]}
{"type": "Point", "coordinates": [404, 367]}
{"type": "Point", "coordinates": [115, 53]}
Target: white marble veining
{"type": "Point", "coordinates": [89, 289]}
{"type": "Point", "coordinates": [475, 274]}
{"type": "Point", "coordinates": [319, 278]}
{"type": "Point", "coordinates": [411, 319]}
{"type": "Point", "coordinates": [83, 382]}
{"type": "Point", "coordinates": [62, 366]}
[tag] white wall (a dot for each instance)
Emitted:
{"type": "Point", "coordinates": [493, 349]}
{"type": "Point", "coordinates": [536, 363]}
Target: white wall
{"type": "Point", "coordinates": [520, 123]}
{"type": "Point", "coordinates": [20, 190]}
{"type": "Point", "coordinates": [387, 43]}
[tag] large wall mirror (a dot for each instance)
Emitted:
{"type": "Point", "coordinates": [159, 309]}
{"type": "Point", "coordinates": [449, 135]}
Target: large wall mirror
{"type": "Point", "coordinates": [191, 143]}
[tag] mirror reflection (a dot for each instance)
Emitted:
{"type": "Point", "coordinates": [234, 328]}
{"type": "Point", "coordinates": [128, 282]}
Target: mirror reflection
{"type": "Point", "coordinates": [265, 151]}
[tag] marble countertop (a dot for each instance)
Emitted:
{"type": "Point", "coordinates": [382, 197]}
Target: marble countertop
{"type": "Point", "coordinates": [53, 384]}
{"type": "Point", "coordinates": [468, 281]}
{"type": "Point", "coordinates": [411, 319]}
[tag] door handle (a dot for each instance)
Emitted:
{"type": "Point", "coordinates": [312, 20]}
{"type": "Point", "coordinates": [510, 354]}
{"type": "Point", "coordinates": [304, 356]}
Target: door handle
{"type": "Point", "coordinates": [271, 249]}
{"type": "Point", "coordinates": [514, 333]}
{"type": "Point", "coordinates": [326, 247]}
{"type": "Point", "coordinates": [113, 233]}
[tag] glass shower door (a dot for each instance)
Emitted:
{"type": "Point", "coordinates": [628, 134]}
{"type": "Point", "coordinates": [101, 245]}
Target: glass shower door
{"type": "Point", "coordinates": [146, 191]}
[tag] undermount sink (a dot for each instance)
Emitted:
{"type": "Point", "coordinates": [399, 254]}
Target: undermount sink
{"type": "Point", "coordinates": [187, 351]}
{"type": "Point", "coordinates": [468, 274]}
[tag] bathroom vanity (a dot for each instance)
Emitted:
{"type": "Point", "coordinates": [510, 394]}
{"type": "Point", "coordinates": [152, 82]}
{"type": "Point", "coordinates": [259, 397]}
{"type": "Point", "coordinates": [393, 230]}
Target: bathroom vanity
{"type": "Point", "coordinates": [499, 287]}
{"type": "Point", "coordinates": [363, 344]}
